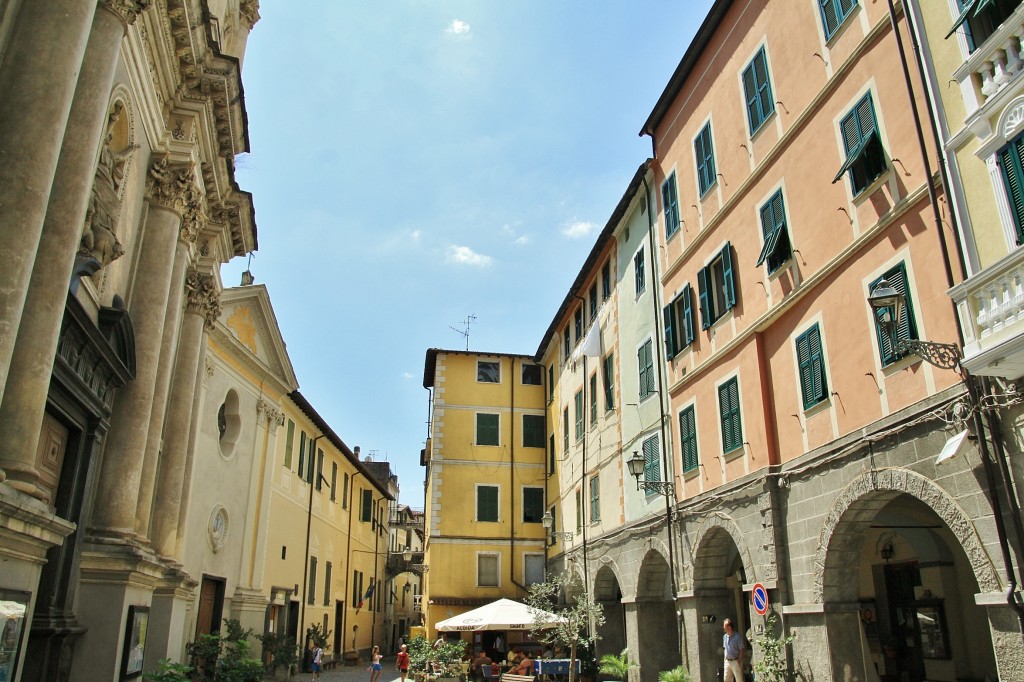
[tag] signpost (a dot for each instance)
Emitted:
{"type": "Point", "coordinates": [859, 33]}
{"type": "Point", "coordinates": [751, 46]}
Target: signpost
{"type": "Point", "coordinates": [759, 598]}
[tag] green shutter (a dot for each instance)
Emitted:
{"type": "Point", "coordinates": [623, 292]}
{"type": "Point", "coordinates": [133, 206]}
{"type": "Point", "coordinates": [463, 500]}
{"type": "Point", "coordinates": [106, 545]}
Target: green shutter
{"type": "Point", "coordinates": [1013, 177]}
{"type": "Point", "coordinates": [703, 286]}
{"type": "Point", "coordinates": [688, 438]}
{"type": "Point", "coordinates": [729, 411]}
{"type": "Point", "coordinates": [595, 499]}
{"type": "Point", "coordinates": [487, 429]}
{"type": "Point", "coordinates": [367, 506]}
{"type": "Point", "coordinates": [688, 314]}
{"type": "Point", "coordinates": [533, 431]}
{"type": "Point", "coordinates": [289, 443]}
{"type": "Point", "coordinates": [750, 91]}
{"type": "Point", "coordinates": [609, 382]}
{"type": "Point", "coordinates": [533, 505]}
{"type": "Point", "coordinates": [728, 274]}
{"type": "Point", "coordinates": [302, 454]}
{"type": "Point", "coordinates": [487, 503]}
{"type": "Point", "coordinates": [593, 398]}
{"type": "Point", "coordinates": [670, 341]}
{"type": "Point", "coordinates": [652, 462]}
{"type": "Point", "coordinates": [968, 5]}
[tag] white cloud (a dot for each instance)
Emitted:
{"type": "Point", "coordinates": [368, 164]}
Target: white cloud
{"type": "Point", "coordinates": [457, 28]}
{"type": "Point", "coordinates": [407, 375]}
{"type": "Point", "coordinates": [523, 240]}
{"type": "Point", "coordinates": [578, 229]}
{"type": "Point", "coordinates": [467, 256]}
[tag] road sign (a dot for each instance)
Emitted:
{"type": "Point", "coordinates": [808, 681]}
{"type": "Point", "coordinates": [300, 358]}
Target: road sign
{"type": "Point", "coordinates": [759, 598]}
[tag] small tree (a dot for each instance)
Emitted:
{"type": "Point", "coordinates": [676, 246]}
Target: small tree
{"type": "Point", "coordinates": [420, 651]}
{"type": "Point", "coordinates": [556, 620]}
{"type": "Point", "coordinates": [316, 634]}
{"type": "Point", "coordinates": [773, 666]}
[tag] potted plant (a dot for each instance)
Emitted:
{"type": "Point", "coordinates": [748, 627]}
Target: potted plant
{"type": "Point", "coordinates": [283, 654]}
{"type": "Point", "coordinates": [419, 653]}
{"type": "Point", "coordinates": [570, 624]}
{"type": "Point", "coordinates": [447, 659]}
{"type": "Point", "coordinates": [616, 666]}
{"type": "Point", "coordinates": [677, 674]}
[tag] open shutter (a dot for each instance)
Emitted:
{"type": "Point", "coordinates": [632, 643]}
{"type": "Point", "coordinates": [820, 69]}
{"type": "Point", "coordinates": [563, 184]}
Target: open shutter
{"type": "Point", "coordinates": [728, 277]}
{"type": "Point", "coordinates": [688, 314]}
{"type": "Point", "coordinates": [803, 355]}
{"type": "Point", "coordinates": [968, 5]}
{"type": "Point", "coordinates": [1010, 160]}
{"type": "Point", "coordinates": [702, 288]}
{"type": "Point", "coordinates": [670, 345]}
{"type": "Point", "coordinates": [817, 365]}
{"type": "Point", "coordinates": [750, 90]}
{"type": "Point", "coordinates": [764, 88]}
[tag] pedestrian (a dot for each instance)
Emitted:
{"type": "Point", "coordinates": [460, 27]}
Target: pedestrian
{"type": "Point", "coordinates": [735, 650]}
{"type": "Point", "coordinates": [402, 661]}
{"type": "Point", "coordinates": [318, 657]}
{"type": "Point", "coordinates": [376, 669]}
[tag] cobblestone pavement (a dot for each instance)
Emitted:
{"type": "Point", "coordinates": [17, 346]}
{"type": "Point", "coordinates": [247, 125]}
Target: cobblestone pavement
{"type": "Point", "coordinates": [354, 673]}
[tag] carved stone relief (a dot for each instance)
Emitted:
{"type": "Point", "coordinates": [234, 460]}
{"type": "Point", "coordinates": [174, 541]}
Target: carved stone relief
{"type": "Point", "coordinates": [127, 10]}
{"type": "Point", "coordinates": [268, 411]}
{"type": "Point", "coordinates": [249, 11]}
{"type": "Point", "coordinates": [202, 297]}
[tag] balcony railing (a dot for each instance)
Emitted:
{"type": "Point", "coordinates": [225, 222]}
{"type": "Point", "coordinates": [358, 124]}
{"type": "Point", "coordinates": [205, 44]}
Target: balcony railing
{"type": "Point", "coordinates": [991, 310]}
{"type": "Point", "coordinates": [993, 64]}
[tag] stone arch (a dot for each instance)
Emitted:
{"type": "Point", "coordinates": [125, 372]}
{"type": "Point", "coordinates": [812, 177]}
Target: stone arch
{"type": "Point", "coordinates": [858, 503]}
{"type": "Point", "coordinates": [606, 581]}
{"type": "Point", "coordinates": [653, 577]}
{"type": "Point", "coordinates": [711, 549]}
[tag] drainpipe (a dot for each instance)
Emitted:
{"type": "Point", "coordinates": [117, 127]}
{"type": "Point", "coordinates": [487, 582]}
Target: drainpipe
{"type": "Point", "coordinates": [583, 473]}
{"type": "Point", "coordinates": [665, 410]}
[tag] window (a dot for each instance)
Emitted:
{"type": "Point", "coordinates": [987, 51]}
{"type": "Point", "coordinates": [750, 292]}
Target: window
{"type": "Point", "coordinates": [551, 381]}
{"type": "Point", "coordinates": [1011, 160]}
{"type": "Point", "coordinates": [310, 462]}
{"type": "Point", "coordinates": [608, 378]}
{"type": "Point", "coordinates": [834, 13]}
{"type": "Point", "coordinates": [579, 510]}
{"type": "Point", "coordinates": [344, 492]}
{"type": "Point", "coordinates": [288, 443]}
{"type": "Point", "coordinates": [578, 324]}
{"type": "Point", "coordinates": [638, 271]}
{"type": "Point", "coordinates": [531, 374]}
{"type": "Point", "coordinates": [813, 386]}
{"type": "Point", "coordinates": [652, 459]}
{"type": "Point", "coordinates": [311, 597]}
{"type": "Point", "coordinates": [366, 509]}
{"type": "Point", "coordinates": [729, 411]}
{"type": "Point", "coordinates": [302, 454]}
{"type": "Point", "coordinates": [593, 398]}
{"type": "Point", "coordinates": [595, 499]}
{"type": "Point", "coordinates": [704, 151]}
{"type": "Point", "coordinates": [670, 204]}
{"type": "Point", "coordinates": [334, 480]}
{"type": "Point", "coordinates": [533, 569]}
{"type": "Point", "coordinates": [357, 587]}
{"type": "Point", "coordinates": [865, 156]}
{"type": "Point", "coordinates": [688, 438]}
{"type": "Point", "coordinates": [897, 278]}
{"type": "Point", "coordinates": [533, 505]}
{"type": "Point", "coordinates": [566, 343]}
{"type": "Point", "coordinates": [716, 285]}
{"type": "Point", "coordinates": [488, 372]}
{"type": "Point", "coordinates": [487, 503]}
{"type": "Point", "coordinates": [981, 18]}
{"type": "Point", "coordinates": [757, 90]}
{"type": "Point", "coordinates": [606, 280]}
{"type": "Point", "coordinates": [487, 570]}
{"type": "Point", "coordinates": [645, 364]}
{"type": "Point", "coordinates": [533, 430]}
{"type": "Point", "coordinates": [327, 584]}
{"type": "Point", "coordinates": [579, 415]}
{"type": "Point", "coordinates": [593, 302]}
{"type": "Point", "coordinates": [551, 454]}
{"type": "Point", "coordinates": [565, 428]}
{"type": "Point", "coordinates": [486, 429]}
{"type": "Point", "coordinates": [319, 469]}
{"type": "Point", "coordinates": [776, 250]}
{"type": "Point", "coordinates": [679, 323]}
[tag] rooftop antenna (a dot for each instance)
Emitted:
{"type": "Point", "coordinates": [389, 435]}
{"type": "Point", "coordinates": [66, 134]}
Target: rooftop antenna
{"type": "Point", "coordinates": [465, 332]}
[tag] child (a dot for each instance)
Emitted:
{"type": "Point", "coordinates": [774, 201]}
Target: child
{"type": "Point", "coordinates": [402, 661]}
{"type": "Point", "coordinates": [375, 667]}
{"type": "Point", "coordinates": [318, 657]}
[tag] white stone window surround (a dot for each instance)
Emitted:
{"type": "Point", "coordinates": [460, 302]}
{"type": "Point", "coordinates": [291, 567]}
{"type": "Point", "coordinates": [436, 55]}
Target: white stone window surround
{"type": "Point", "coordinates": [1010, 124]}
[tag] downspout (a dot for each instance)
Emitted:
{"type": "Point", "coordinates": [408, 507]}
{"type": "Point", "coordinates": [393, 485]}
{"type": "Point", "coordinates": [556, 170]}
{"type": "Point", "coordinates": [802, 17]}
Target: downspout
{"type": "Point", "coordinates": [583, 472]}
{"type": "Point", "coordinates": [662, 398]}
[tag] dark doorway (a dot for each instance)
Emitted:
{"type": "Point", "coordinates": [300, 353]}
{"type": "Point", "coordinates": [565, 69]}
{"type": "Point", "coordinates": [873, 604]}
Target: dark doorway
{"type": "Point", "coordinates": [339, 613]}
{"type": "Point", "coordinates": [900, 580]}
{"type": "Point", "coordinates": [211, 606]}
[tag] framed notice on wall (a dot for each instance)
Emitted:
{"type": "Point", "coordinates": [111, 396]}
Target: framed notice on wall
{"type": "Point", "coordinates": [134, 652]}
{"type": "Point", "coordinates": [13, 612]}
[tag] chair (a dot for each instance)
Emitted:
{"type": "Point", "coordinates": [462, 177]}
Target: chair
{"type": "Point", "coordinates": [486, 670]}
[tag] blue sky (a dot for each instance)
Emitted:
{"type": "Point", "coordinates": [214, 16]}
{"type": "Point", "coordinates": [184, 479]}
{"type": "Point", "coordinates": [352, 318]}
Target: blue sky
{"type": "Point", "coordinates": [415, 162]}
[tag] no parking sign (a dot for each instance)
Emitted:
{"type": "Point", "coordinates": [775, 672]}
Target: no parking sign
{"type": "Point", "coordinates": [759, 598]}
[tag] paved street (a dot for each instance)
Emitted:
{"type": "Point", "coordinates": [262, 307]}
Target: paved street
{"type": "Point", "coordinates": [354, 673]}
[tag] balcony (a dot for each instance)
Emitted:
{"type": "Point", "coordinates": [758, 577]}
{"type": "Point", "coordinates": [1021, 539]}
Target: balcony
{"type": "Point", "coordinates": [991, 310]}
{"type": "Point", "coordinates": [991, 67]}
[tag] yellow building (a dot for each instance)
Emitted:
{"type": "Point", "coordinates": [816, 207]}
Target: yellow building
{"type": "Point", "coordinates": [485, 480]}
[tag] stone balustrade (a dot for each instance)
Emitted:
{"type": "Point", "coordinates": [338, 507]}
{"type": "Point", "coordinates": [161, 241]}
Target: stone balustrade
{"type": "Point", "coordinates": [991, 309]}
{"type": "Point", "coordinates": [994, 64]}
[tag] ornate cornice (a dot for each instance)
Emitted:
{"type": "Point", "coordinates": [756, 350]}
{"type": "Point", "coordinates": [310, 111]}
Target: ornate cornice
{"type": "Point", "coordinates": [126, 10]}
{"type": "Point", "coordinates": [202, 297]}
{"type": "Point", "coordinates": [249, 12]}
{"type": "Point", "coordinates": [269, 411]}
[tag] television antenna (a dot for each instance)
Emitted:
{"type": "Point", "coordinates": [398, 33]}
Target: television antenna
{"type": "Point", "coordinates": [465, 332]}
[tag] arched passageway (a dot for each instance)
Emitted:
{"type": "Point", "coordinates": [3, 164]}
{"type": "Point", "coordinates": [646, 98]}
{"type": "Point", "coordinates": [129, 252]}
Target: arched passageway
{"type": "Point", "coordinates": [719, 573]}
{"type": "Point", "coordinates": [612, 635]}
{"type": "Point", "coordinates": [657, 645]}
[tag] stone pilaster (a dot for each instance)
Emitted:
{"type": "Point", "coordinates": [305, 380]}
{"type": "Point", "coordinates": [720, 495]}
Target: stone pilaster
{"type": "Point", "coordinates": [21, 413]}
{"type": "Point", "coordinates": [202, 306]}
{"type": "Point", "coordinates": [38, 78]}
{"type": "Point", "coordinates": [170, 190]}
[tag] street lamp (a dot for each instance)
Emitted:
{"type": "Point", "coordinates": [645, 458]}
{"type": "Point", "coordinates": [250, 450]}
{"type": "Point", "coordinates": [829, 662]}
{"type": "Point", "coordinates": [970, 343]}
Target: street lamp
{"type": "Point", "coordinates": [636, 465]}
{"type": "Point", "coordinates": [889, 307]}
{"type": "Point", "coordinates": [549, 521]}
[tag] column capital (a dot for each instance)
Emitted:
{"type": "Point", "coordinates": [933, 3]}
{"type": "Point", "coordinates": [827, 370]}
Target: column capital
{"type": "Point", "coordinates": [269, 411]}
{"type": "Point", "coordinates": [172, 185]}
{"type": "Point", "coordinates": [202, 297]}
{"type": "Point", "coordinates": [126, 10]}
{"type": "Point", "coordinates": [249, 12]}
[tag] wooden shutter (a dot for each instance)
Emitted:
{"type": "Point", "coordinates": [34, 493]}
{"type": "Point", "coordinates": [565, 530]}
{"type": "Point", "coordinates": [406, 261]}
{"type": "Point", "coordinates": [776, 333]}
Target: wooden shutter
{"type": "Point", "coordinates": [750, 91]}
{"type": "Point", "coordinates": [728, 277]}
{"type": "Point", "coordinates": [486, 503]}
{"type": "Point", "coordinates": [652, 464]}
{"type": "Point", "coordinates": [688, 439]}
{"type": "Point", "coordinates": [670, 323]}
{"type": "Point", "coordinates": [1013, 177]}
{"type": "Point", "coordinates": [702, 290]}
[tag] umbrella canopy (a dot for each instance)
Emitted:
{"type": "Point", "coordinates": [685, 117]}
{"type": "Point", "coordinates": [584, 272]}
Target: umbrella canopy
{"type": "Point", "coordinates": [504, 614]}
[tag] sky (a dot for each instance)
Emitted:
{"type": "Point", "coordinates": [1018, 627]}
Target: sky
{"type": "Point", "coordinates": [418, 162]}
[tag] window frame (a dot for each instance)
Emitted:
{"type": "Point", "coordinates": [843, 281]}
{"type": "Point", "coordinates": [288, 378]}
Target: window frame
{"type": "Point", "coordinates": [497, 429]}
{"type": "Point", "coordinates": [477, 516]}
{"type": "Point", "coordinates": [670, 205]}
{"type": "Point", "coordinates": [606, 280]}
{"type": "Point", "coordinates": [774, 233]}
{"type": "Point", "coordinates": [679, 323]}
{"type": "Point", "coordinates": [651, 450]}
{"type": "Point", "coordinates": [899, 279]}
{"type": "Point", "coordinates": [811, 360]}
{"type": "Point", "coordinates": [865, 158]}
{"type": "Point", "coordinates": [535, 419]}
{"type": "Point", "coordinates": [707, 285]}
{"type": "Point", "coordinates": [578, 324]}
{"type": "Point", "coordinates": [704, 158]}
{"type": "Point", "coordinates": [496, 557]}
{"type": "Point", "coordinates": [839, 14]}
{"type": "Point", "coordinates": [595, 498]}
{"type": "Point", "coordinates": [689, 454]}
{"type": "Point", "coordinates": [639, 272]}
{"type": "Point", "coordinates": [646, 381]}
{"type": "Point", "coordinates": [608, 381]}
{"type": "Point", "coordinates": [593, 303]}
{"type": "Point", "coordinates": [579, 414]}
{"type": "Point", "coordinates": [593, 397]}
{"type": "Point", "coordinates": [479, 371]}
{"type": "Point", "coordinates": [539, 505]}
{"type": "Point", "coordinates": [730, 415]}
{"type": "Point", "coordinates": [754, 91]}
{"type": "Point", "coordinates": [534, 370]}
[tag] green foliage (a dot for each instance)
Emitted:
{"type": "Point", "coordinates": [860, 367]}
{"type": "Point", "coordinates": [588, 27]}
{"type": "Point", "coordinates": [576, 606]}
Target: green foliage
{"type": "Point", "coordinates": [224, 657]}
{"type": "Point", "coordinates": [282, 650]}
{"type": "Point", "coordinates": [419, 653]}
{"type": "Point", "coordinates": [616, 666]}
{"type": "Point", "coordinates": [170, 672]}
{"type": "Point", "coordinates": [772, 666]}
{"type": "Point", "coordinates": [560, 619]}
{"type": "Point", "coordinates": [448, 657]}
{"type": "Point", "coordinates": [677, 674]}
{"type": "Point", "coordinates": [318, 635]}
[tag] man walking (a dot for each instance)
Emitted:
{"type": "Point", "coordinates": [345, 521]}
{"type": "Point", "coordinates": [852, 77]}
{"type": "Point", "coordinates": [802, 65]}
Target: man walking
{"type": "Point", "coordinates": [735, 650]}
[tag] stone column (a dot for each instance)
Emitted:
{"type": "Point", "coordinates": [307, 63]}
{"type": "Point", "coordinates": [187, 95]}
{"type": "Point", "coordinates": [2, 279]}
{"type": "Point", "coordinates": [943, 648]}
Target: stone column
{"type": "Point", "coordinates": [172, 328]}
{"type": "Point", "coordinates": [171, 192]}
{"type": "Point", "coordinates": [202, 307]}
{"type": "Point", "coordinates": [37, 80]}
{"type": "Point", "coordinates": [21, 413]}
